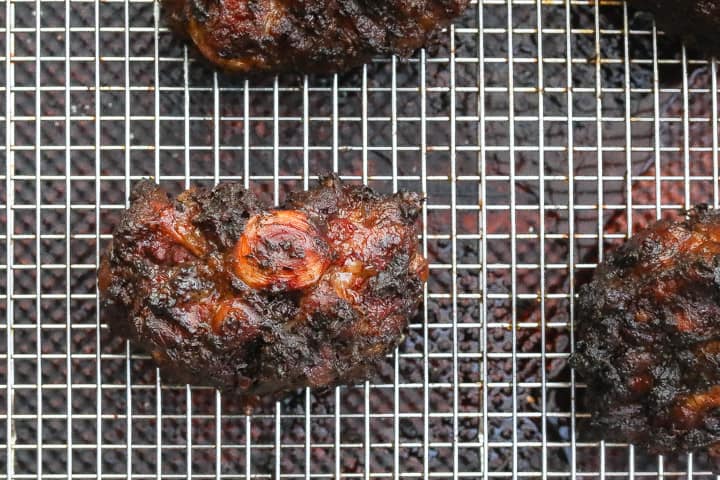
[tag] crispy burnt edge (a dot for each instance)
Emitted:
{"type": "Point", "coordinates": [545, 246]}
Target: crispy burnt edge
{"type": "Point", "coordinates": [652, 413]}
{"type": "Point", "coordinates": [398, 280]}
{"type": "Point", "coordinates": [321, 55]}
{"type": "Point", "coordinates": [124, 272]}
{"type": "Point", "coordinates": [696, 22]}
{"type": "Point", "coordinates": [118, 277]}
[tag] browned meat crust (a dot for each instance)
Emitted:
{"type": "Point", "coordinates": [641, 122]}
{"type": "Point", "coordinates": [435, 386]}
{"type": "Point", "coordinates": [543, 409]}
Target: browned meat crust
{"type": "Point", "coordinates": [697, 22]}
{"type": "Point", "coordinates": [648, 329]}
{"type": "Point", "coordinates": [225, 292]}
{"type": "Point", "coordinates": [316, 36]}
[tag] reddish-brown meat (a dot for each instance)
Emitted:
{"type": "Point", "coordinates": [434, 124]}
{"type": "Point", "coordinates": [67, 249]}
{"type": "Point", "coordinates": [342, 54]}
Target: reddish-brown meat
{"type": "Point", "coordinates": [324, 36]}
{"type": "Point", "coordinates": [648, 329]}
{"type": "Point", "coordinates": [225, 292]}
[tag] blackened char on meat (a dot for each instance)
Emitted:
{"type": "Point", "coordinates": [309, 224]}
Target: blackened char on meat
{"type": "Point", "coordinates": [648, 329]}
{"type": "Point", "coordinates": [315, 36]}
{"type": "Point", "coordinates": [223, 291]}
{"type": "Point", "coordinates": [697, 22]}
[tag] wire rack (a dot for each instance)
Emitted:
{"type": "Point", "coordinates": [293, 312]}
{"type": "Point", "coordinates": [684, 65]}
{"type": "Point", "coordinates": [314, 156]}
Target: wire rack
{"type": "Point", "coordinates": [541, 133]}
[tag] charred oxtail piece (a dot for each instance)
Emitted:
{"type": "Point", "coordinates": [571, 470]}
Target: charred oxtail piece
{"type": "Point", "coordinates": [223, 291]}
{"type": "Point", "coordinates": [648, 329]}
{"type": "Point", "coordinates": [697, 22]}
{"type": "Point", "coordinates": [315, 36]}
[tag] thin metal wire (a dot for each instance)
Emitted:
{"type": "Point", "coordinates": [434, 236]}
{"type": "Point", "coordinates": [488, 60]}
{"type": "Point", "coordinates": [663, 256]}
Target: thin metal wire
{"type": "Point", "coordinates": [483, 437]}
{"type": "Point", "coordinates": [38, 269]}
{"type": "Point", "coordinates": [425, 332]}
{"type": "Point", "coordinates": [599, 138]}
{"type": "Point", "coordinates": [156, 169]}
{"type": "Point", "coordinates": [628, 124]}
{"type": "Point", "coordinates": [216, 180]}
{"type": "Point", "coordinates": [127, 159]}
{"type": "Point", "coordinates": [686, 130]}
{"type": "Point", "coordinates": [656, 122]}
{"type": "Point", "coordinates": [513, 234]}
{"type": "Point", "coordinates": [186, 161]}
{"type": "Point", "coordinates": [366, 444]}
{"type": "Point", "coordinates": [306, 185]}
{"type": "Point", "coordinates": [628, 171]}
{"type": "Point", "coordinates": [337, 451]}
{"type": "Point", "coordinates": [714, 118]}
{"type": "Point", "coordinates": [571, 225]}
{"type": "Point", "coordinates": [453, 250]}
{"type": "Point", "coordinates": [246, 184]}
{"type": "Point", "coordinates": [98, 201]}
{"type": "Point", "coordinates": [541, 232]}
{"type": "Point", "coordinates": [276, 202]}
{"type": "Point", "coordinates": [396, 357]}
{"type": "Point", "coordinates": [68, 246]}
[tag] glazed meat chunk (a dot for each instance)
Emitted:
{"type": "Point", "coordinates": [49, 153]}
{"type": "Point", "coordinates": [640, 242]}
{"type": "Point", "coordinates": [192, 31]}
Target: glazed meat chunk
{"type": "Point", "coordinates": [223, 291]}
{"type": "Point", "coordinates": [316, 36]}
{"type": "Point", "coordinates": [648, 330]}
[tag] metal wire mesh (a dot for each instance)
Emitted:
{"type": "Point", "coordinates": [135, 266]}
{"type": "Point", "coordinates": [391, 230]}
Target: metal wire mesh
{"type": "Point", "coordinates": [542, 134]}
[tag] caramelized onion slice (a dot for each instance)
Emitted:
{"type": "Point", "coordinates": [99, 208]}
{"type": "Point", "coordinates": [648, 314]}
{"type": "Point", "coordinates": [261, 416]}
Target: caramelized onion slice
{"type": "Point", "coordinates": [281, 251]}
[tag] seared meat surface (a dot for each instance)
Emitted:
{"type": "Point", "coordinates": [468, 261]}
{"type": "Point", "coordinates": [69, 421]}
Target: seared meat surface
{"type": "Point", "coordinates": [316, 36]}
{"type": "Point", "coordinates": [223, 291]}
{"type": "Point", "coordinates": [648, 330]}
{"type": "Point", "coordinates": [697, 22]}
